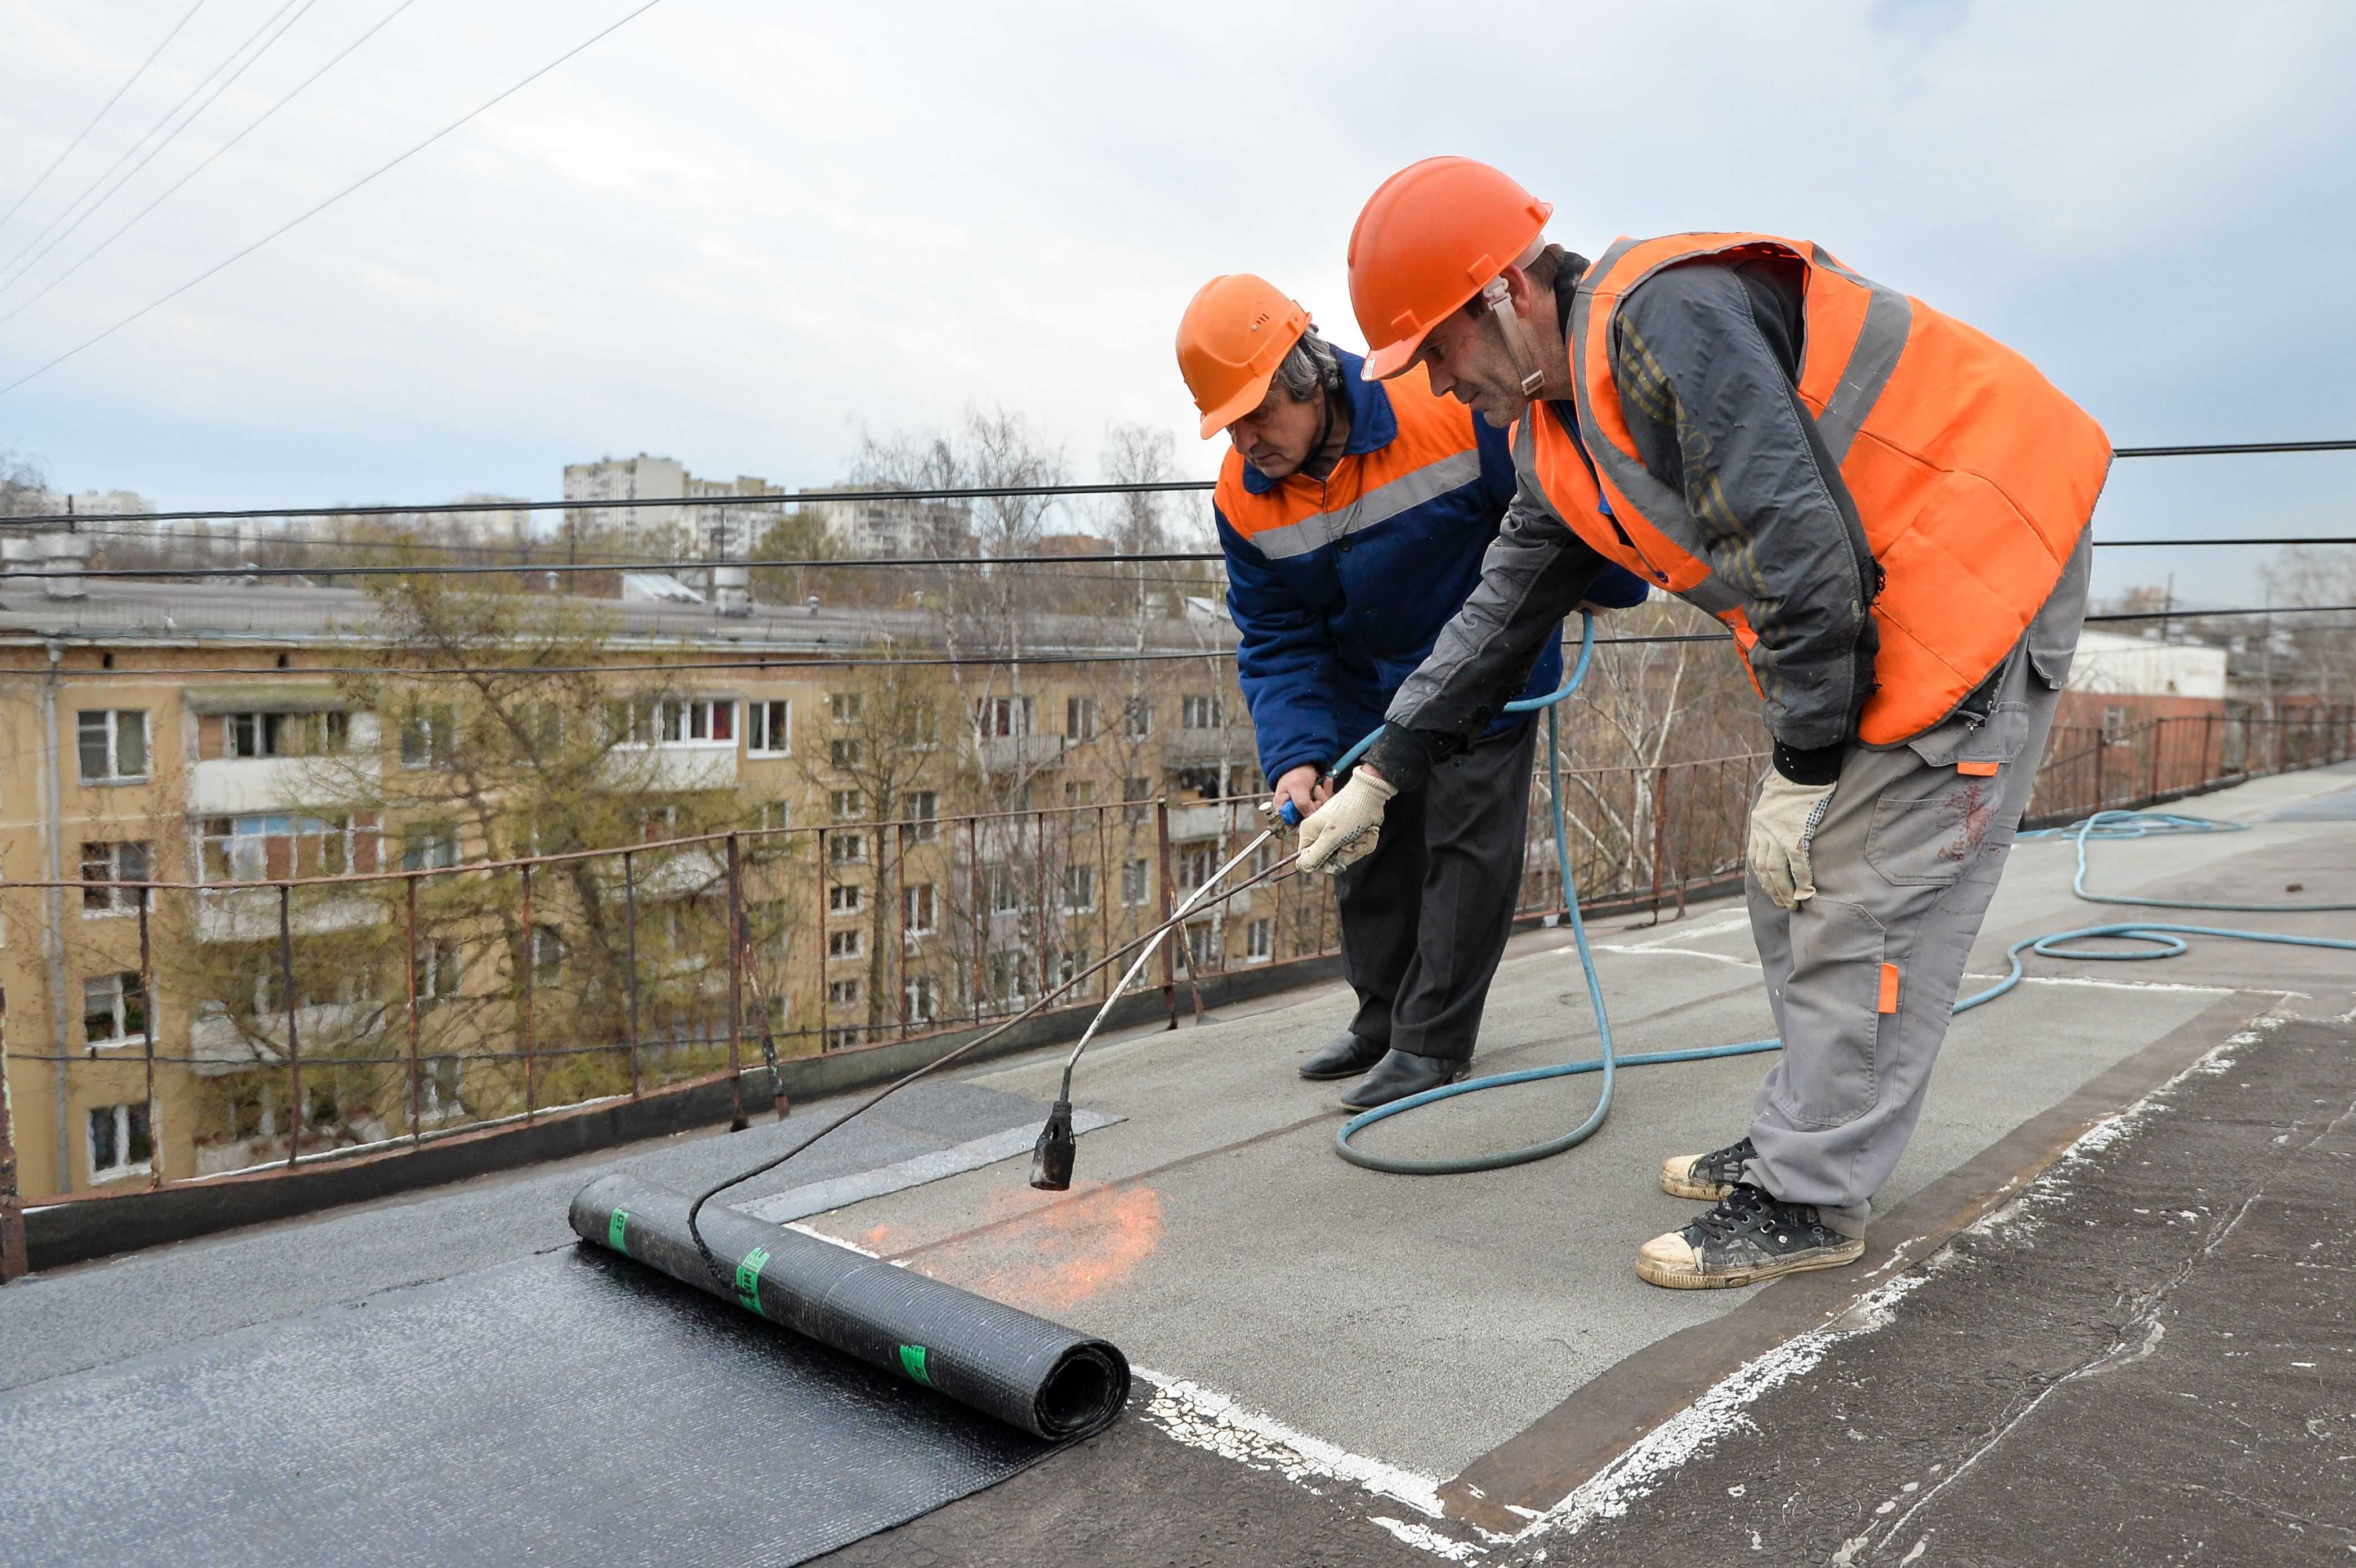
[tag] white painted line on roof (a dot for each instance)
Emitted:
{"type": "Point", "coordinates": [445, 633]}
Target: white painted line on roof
{"type": "Point", "coordinates": [1678, 953]}
{"type": "Point", "coordinates": [837, 1192]}
{"type": "Point", "coordinates": [1739, 921]}
{"type": "Point", "coordinates": [1207, 1419]}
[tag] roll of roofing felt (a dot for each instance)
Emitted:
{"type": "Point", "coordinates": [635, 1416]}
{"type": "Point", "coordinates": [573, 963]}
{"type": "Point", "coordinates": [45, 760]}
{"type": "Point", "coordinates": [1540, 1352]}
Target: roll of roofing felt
{"type": "Point", "coordinates": [1050, 1380]}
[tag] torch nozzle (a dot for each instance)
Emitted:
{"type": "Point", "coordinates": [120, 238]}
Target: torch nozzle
{"type": "Point", "coordinates": [1058, 1147]}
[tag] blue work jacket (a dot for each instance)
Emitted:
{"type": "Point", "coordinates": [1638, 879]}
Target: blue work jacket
{"type": "Point", "coordinates": [1340, 586]}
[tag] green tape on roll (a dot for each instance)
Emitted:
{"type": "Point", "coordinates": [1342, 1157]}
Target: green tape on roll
{"type": "Point", "coordinates": [912, 1361]}
{"type": "Point", "coordinates": [748, 1282]}
{"type": "Point", "coordinates": [614, 1229]}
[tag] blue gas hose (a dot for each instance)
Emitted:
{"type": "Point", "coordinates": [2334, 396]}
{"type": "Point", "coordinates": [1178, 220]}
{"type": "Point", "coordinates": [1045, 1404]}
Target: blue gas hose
{"type": "Point", "coordinates": [2167, 941]}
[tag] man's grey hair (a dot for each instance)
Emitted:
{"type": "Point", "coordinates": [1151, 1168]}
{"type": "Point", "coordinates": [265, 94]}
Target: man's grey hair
{"type": "Point", "coordinates": [1311, 364]}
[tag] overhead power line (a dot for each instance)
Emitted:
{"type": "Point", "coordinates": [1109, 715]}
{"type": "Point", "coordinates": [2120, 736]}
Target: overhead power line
{"type": "Point", "coordinates": [1065, 563]}
{"type": "Point", "coordinates": [312, 212]}
{"type": "Point", "coordinates": [253, 125]}
{"type": "Point", "coordinates": [42, 177]}
{"type": "Point", "coordinates": [788, 659]}
{"type": "Point", "coordinates": [949, 493]}
{"type": "Point", "coordinates": [11, 268]}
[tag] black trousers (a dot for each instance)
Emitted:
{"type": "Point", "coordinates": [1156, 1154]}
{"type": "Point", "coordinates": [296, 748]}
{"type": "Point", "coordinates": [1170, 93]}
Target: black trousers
{"type": "Point", "coordinates": [1425, 917]}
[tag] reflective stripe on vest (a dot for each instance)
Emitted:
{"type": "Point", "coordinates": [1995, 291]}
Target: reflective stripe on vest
{"type": "Point", "coordinates": [1972, 475]}
{"type": "Point", "coordinates": [1434, 452]}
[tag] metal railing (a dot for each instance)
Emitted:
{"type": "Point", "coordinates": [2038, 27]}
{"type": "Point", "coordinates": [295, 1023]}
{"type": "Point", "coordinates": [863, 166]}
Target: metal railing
{"type": "Point", "coordinates": [303, 1017]}
{"type": "Point", "coordinates": [2087, 769]}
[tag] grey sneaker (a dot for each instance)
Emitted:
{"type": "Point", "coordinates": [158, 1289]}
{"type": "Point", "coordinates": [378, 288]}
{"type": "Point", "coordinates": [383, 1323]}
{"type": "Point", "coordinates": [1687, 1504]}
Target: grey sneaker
{"type": "Point", "coordinates": [1750, 1237]}
{"type": "Point", "coordinates": [1707, 1177]}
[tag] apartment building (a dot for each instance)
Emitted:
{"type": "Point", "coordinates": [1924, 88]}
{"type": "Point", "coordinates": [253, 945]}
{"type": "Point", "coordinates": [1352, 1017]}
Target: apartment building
{"type": "Point", "coordinates": [205, 734]}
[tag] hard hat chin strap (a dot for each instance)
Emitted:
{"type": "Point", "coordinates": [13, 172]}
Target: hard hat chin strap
{"type": "Point", "coordinates": [1499, 296]}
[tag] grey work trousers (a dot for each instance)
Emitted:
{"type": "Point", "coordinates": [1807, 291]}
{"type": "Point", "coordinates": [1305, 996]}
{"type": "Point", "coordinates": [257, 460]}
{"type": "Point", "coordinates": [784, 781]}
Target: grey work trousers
{"type": "Point", "coordinates": [1425, 915]}
{"type": "Point", "coordinates": [1863, 976]}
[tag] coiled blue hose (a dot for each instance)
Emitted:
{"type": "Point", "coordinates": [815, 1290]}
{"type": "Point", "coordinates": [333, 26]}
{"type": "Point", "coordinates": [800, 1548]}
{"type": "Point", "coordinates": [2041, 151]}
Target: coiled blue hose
{"type": "Point", "coordinates": [2167, 942]}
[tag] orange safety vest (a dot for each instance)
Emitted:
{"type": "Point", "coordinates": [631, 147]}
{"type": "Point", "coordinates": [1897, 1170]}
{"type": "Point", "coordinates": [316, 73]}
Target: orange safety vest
{"type": "Point", "coordinates": [1973, 476]}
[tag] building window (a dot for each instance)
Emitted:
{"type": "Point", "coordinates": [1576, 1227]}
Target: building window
{"type": "Point", "coordinates": [850, 805]}
{"type": "Point", "coordinates": [922, 996]}
{"type": "Point", "coordinates": [843, 1039]}
{"type": "Point", "coordinates": [920, 727]}
{"type": "Point", "coordinates": [847, 849]}
{"type": "Point", "coordinates": [1203, 713]}
{"type": "Point", "coordinates": [842, 993]}
{"type": "Point", "coordinates": [1079, 889]}
{"type": "Point", "coordinates": [106, 865]}
{"type": "Point", "coordinates": [1080, 718]}
{"type": "Point", "coordinates": [113, 744]}
{"type": "Point", "coordinates": [2114, 722]}
{"type": "Point", "coordinates": [1071, 963]}
{"type": "Point", "coordinates": [439, 1085]}
{"type": "Point", "coordinates": [920, 910]}
{"type": "Point", "coordinates": [429, 847]}
{"type": "Point", "coordinates": [429, 738]}
{"type": "Point", "coordinates": [846, 706]}
{"type": "Point", "coordinates": [769, 728]}
{"type": "Point", "coordinates": [844, 898]}
{"type": "Point", "coordinates": [547, 953]}
{"type": "Point", "coordinates": [1260, 938]}
{"type": "Point", "coordinates": [1136, 881]}
{"type": "Point", "coordinates": [441, 966]}
{"type": "Point", "coordinates": [1202, 946]}
{"type": "Point", "coordinates": [1139, 794]}
{"type": "Point", "coordinates": [776, 816]}
{"type": "Point", "coordinates": [843, 943]}
{"type": "Point", "coordinates": [1008, 976]}
{"type": "Point", "coordinates": [1137, 718]}
{"type": "Point", "coordinates": [1079, 792]}
{"type": "Point", "coordinates": [673, 721]}
{"type": "Point", "coordinates": [1005, 891]}
{"type": "Point", "coordinates": [1195, 864]}
{"type": "Point", "coordinates": [122, 1142]}
{"type": "Point", "coordinates": [924, 811]}
{"type": "Point", "coordinates": [847, 754]}
{"type": "Point", "coordinates": [114, 1008]}
{"type": "Point", "coordinates": [248, 735]}
{"type": "Point", "coordinates": [256, 849]}
{"type": "Point", "coordinates": [1003, 718]}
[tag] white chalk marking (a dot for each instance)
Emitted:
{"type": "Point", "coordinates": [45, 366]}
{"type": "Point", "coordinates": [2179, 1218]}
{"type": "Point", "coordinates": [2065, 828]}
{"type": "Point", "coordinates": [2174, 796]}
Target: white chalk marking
{"type": "Point", "coordinates": [841, 1191]}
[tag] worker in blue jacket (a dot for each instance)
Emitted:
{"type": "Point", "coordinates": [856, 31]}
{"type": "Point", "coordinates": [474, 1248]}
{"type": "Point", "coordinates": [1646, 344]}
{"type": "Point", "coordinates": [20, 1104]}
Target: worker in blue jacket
{"type": "Point", "coordinates": [1353, 514]}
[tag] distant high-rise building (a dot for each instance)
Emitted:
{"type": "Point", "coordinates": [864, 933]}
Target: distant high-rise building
{"type": "Point", "coordinates": [893, 527]}
{"type": "Point", "coordinates": [639, 479]}
{"type": "Point", "coordinates": [732, 530]}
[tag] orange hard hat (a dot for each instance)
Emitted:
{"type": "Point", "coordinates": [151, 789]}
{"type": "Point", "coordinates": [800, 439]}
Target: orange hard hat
{"type": "Point", "coordinates": [1236, 332]}
{"type": "Point", "coordinates": [1430, 238]}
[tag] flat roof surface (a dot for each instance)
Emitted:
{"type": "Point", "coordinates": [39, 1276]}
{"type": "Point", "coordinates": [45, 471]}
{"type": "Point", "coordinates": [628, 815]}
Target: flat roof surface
{"type": "Point", "coordinates": [1403, 1347]}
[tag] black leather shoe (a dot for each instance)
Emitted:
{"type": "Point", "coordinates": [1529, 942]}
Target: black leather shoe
{"type": "Point", "coordinates": [1400, 1073]}
{"type": "Point", "coordinates": [1345, 1058]}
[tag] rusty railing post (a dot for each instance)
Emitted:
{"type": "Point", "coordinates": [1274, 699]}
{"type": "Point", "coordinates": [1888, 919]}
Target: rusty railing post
{"type": "Point", "coordinates": [977, 910]}
{"type": "Point", "coordinates": [1169, 965]}
{"type": "Point", "coordinates": [825, 999]}
{"type": "Point", "coordinates": [294, 1042]}
{"type": "Point", "coordinates": [531, 963]}
{"type": "Point", "coordinates": [1660, 837]}
{"type": "Point", "coordinates": [630, 927]}
{"type": "Point", "coordinates": [416, 1109]}
{"type": "Point", "coordinates": [1104, 899]}
{"type": "Point", "coordinates": [1046, 960]}
{"type": "Point", "coordinates": [12, 1208]}
{"type": "Point", "coordinates": [147, 1028]}
{"type": "Point", "coordinates": [736, 1122]}
{"type": "Point", "coordinates": [896, 961]}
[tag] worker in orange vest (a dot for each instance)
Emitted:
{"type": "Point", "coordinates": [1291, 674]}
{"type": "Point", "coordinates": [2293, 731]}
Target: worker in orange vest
{"type": "Point", "coordinates": [1887, 508]}
{"type": "Point", "coordinates": [1354, 514]}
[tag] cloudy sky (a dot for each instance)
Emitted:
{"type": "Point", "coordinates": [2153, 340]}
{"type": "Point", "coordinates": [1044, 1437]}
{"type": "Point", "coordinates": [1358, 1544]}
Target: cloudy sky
{"type": "Point", "coordinates": [738, 233]}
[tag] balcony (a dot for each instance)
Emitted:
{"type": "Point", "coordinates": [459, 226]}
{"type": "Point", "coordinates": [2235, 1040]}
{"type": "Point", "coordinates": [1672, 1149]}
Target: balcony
{"type": "Point", "coordinates": [673, 768]}
{"type": "Point", "coordinates": [218, 1046]}
{"type": "Point", "coordinates": [1182, 748]}
{"type": "Point", "coordinates": [1008, 753]}
{"type": "Point", "coordinates": [251, 914]}
{"type": "Point", "coordinates": [244, 785]}
{"type": "Point", "coordinates": [1189, 822]}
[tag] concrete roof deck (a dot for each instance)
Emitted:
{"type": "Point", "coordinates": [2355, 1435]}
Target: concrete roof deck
{"type": "Point", "coordinates": [1480, 1342]}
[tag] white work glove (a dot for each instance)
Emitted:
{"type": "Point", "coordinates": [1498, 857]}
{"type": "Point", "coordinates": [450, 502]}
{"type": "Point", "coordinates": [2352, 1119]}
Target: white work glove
{"type": "Point", "coordinates": [1782, 823]}
{"type": "Point", "coordinates": [1344, 828]}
